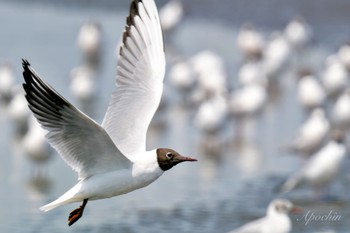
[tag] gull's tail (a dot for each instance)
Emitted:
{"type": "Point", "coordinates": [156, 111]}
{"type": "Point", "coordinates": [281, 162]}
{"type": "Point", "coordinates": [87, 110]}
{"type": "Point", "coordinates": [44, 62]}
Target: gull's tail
{"type": "Point", "coordinates": [52, 205]}
{"type": "Point", "coordinates": [69, 197]}
{"type": "Point", "coordinates": [291, 183]}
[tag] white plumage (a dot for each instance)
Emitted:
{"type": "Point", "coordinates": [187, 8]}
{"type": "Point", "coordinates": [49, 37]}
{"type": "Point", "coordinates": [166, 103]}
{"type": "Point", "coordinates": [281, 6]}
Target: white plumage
{"type": "Point", "coordinates": [298, 32]}
{"type": "Point", "coordinates": [341, 110]}
{"type": "Point", "coordinates": [276, 54]}
{"type": "Point", "coordinates": [211, 114]}
{"type": "Point", "coordinates": [335, 78]}
{"type": "Point", "coordinates": [111, 158]}
{"type": "Point", "coordinates": [312, 133]}
{"type": "Point", "coordinates": [83, 83]}
{"type": "Point", "coordinates": [310, 92]}
{"type": "Point", "coordinates": [7, 80]}
{"type": "Point", "coordinates": [248, 100]}
{"type": "Point", "coordinates": [171, 14]}
{"type": "Point", "coordinates": [250, 41]}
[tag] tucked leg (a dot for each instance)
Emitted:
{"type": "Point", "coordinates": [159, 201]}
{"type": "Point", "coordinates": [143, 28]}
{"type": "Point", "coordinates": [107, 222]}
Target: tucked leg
{"type": "Point", "coordinates": [77, 213]}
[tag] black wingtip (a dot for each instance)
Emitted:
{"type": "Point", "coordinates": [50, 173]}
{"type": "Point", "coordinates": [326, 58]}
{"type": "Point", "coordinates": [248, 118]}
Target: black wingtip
{"type": "Point", "coordinates": [25, 63]}
{"type": "Point", "coordinates": [27, 73]}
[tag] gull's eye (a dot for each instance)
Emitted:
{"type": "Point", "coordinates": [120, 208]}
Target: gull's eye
{"type": "Point", "coordinates": [169, 155]}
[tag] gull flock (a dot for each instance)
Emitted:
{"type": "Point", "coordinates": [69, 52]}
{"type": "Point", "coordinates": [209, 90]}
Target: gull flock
{"type": "Point", "coordinates": [205, 90]}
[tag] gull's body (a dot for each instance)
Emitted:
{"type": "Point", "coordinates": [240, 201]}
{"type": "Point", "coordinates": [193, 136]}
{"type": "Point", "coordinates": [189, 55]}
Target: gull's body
{"type": "Point", "coordinates": [311, 134]}
{"type": "Point", "coordinates": [344, 55]}
{"type": "Point", "coordinates": [310, 92]}
{"type": "Point", "coordinates": [18, 111]}
{"type": "Point", "coordinates": [209, 69]}
{"type": "Point", "coordinates": [248, 100]}
{"type": "Point", "coordinates": [335, 78]}
{"type": "Point", "coordinates": [90, 42]}
{"type": "Point", "coordinates": [211, 114]}
{"type": "Point", "coordinates": [250, 41]}
{"type": "Point", "coordinates": [82, 85]}
{"type": "Point", "coordinates": [252, 73]}
{"type": "Point", "coordinates": [113, 183]}
{"type": "Point", "coordinates": [7, 80]}
{"type": "Point", "coordinates": [35, 146]}
{"type": "Point", "coordinates": [111, 158]}
{"type": "Point", "coordinates": [341, 110]}
{"type": "Point", "coordinates": [182, 76]}
{"type": "Point", "coordinates": [171, 14]}
{"type": "Point", "coordinates": [298, 32]}
{"type": "Point", "coordinates": [276, 55]}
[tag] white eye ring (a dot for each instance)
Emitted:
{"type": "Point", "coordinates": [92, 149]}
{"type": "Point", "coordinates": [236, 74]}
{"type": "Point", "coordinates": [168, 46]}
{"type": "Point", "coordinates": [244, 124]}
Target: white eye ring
{"type": "Point", "coordinates": [169, 155]}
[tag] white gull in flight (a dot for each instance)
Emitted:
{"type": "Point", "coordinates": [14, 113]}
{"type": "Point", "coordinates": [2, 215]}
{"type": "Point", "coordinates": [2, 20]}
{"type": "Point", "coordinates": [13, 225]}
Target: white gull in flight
{"type": "Point", "coordinates": [111, 158]}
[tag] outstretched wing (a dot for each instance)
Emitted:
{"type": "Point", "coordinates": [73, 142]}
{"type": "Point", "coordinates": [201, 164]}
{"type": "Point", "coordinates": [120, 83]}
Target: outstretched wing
{"type": "Point", "coordinates": [82, 143]}
{"type": "Point", "coordinates": [140, 75]}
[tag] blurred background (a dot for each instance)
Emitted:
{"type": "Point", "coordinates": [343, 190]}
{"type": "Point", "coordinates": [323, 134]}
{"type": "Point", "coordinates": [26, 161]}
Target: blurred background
{"type": "Point", "coordinates": [254, 89]}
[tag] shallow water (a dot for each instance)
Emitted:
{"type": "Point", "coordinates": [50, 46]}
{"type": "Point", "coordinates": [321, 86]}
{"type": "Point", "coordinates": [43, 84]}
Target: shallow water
{"type": "Point", "coordinates": [216, 194]}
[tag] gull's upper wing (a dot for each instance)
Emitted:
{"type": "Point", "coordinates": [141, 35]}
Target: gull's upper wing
{"type": "Point", "coordinates": [140, 75]}
{"type": "Point", "coordinates": [82, 143]}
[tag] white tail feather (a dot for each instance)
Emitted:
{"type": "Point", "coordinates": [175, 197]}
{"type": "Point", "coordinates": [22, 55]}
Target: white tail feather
{"type": "Point", "coordinates": [291, 183]}
{"type": "Point", "coordinates": [68, 197]}
{"type": "Point", "coordinates": [51, 206]}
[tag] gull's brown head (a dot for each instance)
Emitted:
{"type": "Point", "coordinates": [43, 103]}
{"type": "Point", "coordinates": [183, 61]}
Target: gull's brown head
{"type": "Point", "coordinates": [168, 158]}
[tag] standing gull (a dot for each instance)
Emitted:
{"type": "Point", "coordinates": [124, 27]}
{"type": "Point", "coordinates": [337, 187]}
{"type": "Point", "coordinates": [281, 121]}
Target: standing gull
{"type": "Point", "coordinates": [275, 221]}
{"type": "Point", "coordinates": [111, 158]}
{"type": "Point", "coordinates": [322, 167]}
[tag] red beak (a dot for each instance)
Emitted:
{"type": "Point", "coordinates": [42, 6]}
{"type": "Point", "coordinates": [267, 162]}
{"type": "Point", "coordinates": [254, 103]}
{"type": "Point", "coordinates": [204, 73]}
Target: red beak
{"type": "Point", "coordinates": [297, 210]}
{"type": "Point", "coordinates": [189, 159]}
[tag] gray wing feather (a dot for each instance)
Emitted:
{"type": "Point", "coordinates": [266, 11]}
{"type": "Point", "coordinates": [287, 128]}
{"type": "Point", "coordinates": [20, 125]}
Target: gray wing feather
{"type": "Point", "coordinates": [82, 143]}
{"type": "Point", "coordinates": [140, 74]}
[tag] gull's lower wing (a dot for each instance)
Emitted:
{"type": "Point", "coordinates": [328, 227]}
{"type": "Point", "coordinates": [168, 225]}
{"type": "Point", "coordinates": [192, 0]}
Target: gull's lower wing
{"type": "Point", "coordinates": [140, 74]}
{"type": "Point", "coordinates": [82, 143]}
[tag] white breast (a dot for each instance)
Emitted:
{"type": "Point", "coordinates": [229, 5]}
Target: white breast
{"type": "Point", "coordinates": [144, 171]}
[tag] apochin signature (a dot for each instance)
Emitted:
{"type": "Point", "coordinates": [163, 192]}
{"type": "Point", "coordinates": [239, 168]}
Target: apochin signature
{"type": "Point", "coordinates": [311, 216]}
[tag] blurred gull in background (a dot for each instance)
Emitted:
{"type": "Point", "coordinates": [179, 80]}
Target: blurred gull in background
{"type": "Point", "coordinates": [344, 55]}
{"type": "Point", "coordinates": [181, 77]}
{"type": "Point", "coordinates": [209, 119]}
{"type": "Point", "coordinates": [36, 148]}
{"type": "Point", "coordinates": [311, 134]}
{"type": "Point", "coordinates": [275, 221]}
{"type": "Point", "coordinates": [252, 73]}
{"type": "Point", "coordinates": [7, 80]}
{"type": "Point", "coordinates": [18, 111]}
{"type": "Point", "coordinates": [335, 78]}
{"type": "Point", "coordinates": [276, 55]}
{"type": "Point", "coordinates": [211, 114]}
{"type": "Point", "coordinates": [298, 33]}
{"type": "Point", "coordinates": [90, 42]}
{"type": "Point", "coordinates": [171, 14]}
{"type": "Point", "coordinates": [245, 103]}
{"type": "Point", "coordinates": [210, 73]}
{"type": "Point", "coordinates": [310, 92]}
{"type": "Point", "coordinates": [83, 83]}
{"type": "Point", "coordinates": [341, 111]}
{"type": "Point", "coordinates": [322, 167]}
{"type": "Point", "coordinates": [250, 42]}
{"type": "Point", "coordinates": [248, 100]}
